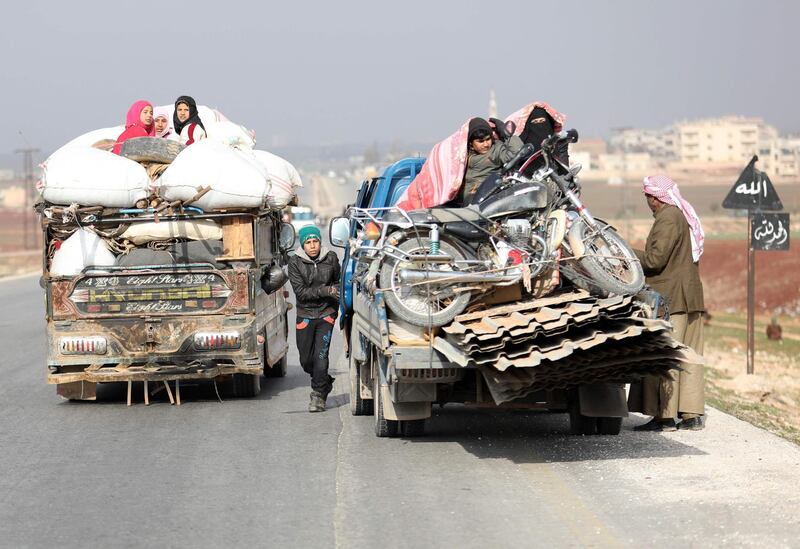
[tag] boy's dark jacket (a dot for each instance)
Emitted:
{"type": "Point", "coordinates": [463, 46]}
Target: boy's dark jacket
{"type": "Point", "coordinates": [310, 281]}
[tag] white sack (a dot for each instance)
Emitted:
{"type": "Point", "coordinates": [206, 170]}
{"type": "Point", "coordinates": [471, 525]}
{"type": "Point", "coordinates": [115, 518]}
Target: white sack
{"type": "Point", "coordinates": [236, 180]}
{"type": "Point", "coordinates": [81, 249]}
{"type": "Point", "coordinates": [88, 139]}
{"type": "Point", "coordinates": [231, 134]}
{"type": "Point", "coordinates": [199, 229]}
{"type": "Point", "coordinates": [283, 176]}
{"type": "Point", "coordinates": [92, 177]}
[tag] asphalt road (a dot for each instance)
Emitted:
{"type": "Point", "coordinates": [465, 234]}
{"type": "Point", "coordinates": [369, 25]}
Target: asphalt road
{"type": "Point", "coordinates": [265, 472]}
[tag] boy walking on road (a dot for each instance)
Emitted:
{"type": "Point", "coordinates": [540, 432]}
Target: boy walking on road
{"type": "Point", "coordinates": [314, 274]}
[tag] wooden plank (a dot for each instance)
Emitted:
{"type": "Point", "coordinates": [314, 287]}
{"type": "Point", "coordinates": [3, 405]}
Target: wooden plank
{"type": "Point", "coordinates": [169, 392]}
{"type": "Point", "coordinates": [237, 239]}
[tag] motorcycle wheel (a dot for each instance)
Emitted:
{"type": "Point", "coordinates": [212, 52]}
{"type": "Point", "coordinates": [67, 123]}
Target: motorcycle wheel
{"type": "Point", "coordinates": [608, 265]}
{"type": "Point", "coordinates": [427, 305]}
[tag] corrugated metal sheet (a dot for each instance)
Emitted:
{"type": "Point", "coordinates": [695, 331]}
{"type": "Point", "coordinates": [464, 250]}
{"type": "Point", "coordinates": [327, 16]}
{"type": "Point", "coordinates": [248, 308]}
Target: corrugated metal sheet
{"type": "Point", "coordinates": [562, 341]}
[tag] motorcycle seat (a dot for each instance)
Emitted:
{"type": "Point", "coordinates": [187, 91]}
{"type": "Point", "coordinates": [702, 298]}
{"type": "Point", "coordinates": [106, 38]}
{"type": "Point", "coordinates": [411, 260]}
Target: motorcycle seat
{"type": "Point", "coordinates": [438, 215]}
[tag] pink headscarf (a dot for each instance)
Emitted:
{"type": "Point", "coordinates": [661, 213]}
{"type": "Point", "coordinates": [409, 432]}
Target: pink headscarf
{"type": "Point", "coordinates": [134, 117]}
{"type": "Point", "coordinates": [521, 116]}
{"type": "Point", "coordinates": [666, 190]}
{"type": "Point", "coordinates": [166, 114]}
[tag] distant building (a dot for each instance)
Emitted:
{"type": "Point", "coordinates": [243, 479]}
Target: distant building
{"type": "Point", "coordinates": [12, 198]}
{"type": "Point", "coordinates": [727, 140]}
{"type": "Point", "coordinates": [780, 157]}
{"type": "Point", "coordinates": [658, 143]}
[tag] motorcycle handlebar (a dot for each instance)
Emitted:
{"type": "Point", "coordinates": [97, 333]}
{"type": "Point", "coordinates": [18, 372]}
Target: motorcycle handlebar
{"type": "Point", "coordinates": [528, 149]}
{"type": "Point", "coordinates": [524, 152]}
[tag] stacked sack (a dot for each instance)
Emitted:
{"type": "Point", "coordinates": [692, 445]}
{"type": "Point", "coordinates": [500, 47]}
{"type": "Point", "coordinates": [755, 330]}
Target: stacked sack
{"type": "Point", "coordinates": [225, 166]}
{"type": "Point", "coordinates": [84, 172]}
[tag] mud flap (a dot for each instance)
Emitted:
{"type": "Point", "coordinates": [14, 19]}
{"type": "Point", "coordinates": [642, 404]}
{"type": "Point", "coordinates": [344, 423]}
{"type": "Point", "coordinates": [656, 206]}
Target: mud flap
{"type": "Point", "coordinates": [403, 411]}
{"type": "Point", "coordinates": [603, 400]}
{"type": "Point", "coordinates": [77, 390]}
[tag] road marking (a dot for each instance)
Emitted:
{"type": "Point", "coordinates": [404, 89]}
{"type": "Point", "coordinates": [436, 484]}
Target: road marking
{"type": "Point", "coordinates": [585, 525]}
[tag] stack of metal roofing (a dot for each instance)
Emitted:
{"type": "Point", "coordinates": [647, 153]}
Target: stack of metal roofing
{"type": "Point", "coordinates": [565, 340]}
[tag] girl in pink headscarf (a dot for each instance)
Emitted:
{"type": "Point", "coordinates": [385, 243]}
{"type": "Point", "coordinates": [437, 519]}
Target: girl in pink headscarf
{"type": "Point", "coordinates": [139, 123]}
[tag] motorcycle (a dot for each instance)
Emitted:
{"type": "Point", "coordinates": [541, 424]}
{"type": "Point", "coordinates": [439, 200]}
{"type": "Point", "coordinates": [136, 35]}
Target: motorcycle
{"type": "Point", "coordinates": [431, 263]}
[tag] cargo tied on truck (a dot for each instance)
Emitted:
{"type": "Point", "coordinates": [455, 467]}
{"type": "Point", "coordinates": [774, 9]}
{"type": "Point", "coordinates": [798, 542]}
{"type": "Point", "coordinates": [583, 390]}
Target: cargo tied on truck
{"type": "Point", "coordinates": [165, 264]}
{"type": "Point", "coordinates": [519, 298]}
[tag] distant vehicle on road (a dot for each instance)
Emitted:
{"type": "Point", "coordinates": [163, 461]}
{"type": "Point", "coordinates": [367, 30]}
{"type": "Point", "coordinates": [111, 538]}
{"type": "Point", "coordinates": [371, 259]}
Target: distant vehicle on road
{"type": "Point", "coordinates": [302, 216]}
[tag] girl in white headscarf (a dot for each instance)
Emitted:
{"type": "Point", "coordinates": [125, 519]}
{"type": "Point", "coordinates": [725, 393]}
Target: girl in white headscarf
{"type": "Point", "coordinates": [161, 118]}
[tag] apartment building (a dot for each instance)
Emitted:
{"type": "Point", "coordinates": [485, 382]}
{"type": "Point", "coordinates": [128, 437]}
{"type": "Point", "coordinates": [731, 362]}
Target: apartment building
{"type": "Point", "coordinates": [730, 140]}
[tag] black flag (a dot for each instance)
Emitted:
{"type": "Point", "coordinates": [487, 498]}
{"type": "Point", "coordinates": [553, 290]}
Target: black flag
{"type": "Point", "coordinates": [752, 191]}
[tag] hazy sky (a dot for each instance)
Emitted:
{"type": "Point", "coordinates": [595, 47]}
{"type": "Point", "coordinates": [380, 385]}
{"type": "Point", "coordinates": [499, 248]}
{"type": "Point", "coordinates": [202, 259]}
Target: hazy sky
{"type": "Point", "coordinates": [352, 71]}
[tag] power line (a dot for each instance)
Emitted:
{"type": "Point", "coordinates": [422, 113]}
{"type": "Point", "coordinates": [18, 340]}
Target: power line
{"type": "Point", "coordinates": [27, 218]}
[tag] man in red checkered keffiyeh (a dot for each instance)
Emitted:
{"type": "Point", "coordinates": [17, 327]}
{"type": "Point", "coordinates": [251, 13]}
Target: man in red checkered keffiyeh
{"type": "Point", "coordinates": [670, 261]}
{"type": "Point", "coordinates": [666, 190]}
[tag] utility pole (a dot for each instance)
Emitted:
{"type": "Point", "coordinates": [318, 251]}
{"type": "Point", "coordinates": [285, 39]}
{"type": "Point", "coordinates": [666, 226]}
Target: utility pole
{"type": "Point", "coordinates": [27, 218]}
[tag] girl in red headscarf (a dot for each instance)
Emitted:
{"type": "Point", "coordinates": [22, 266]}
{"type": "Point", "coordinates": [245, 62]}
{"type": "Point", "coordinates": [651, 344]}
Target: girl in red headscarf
{"type": "Point", "coordinates": [139, 123]}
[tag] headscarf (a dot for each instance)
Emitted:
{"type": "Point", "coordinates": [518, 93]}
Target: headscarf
{"type": "Point", "coordinates": [194, 116]}
{"type": "Point", "coordinates": [538, 127]}
{"type": "Point", "coordinates": [134, 117]}
{"type": "Point", "coordinates": [162, 112]}
{"type": "Point", "coordinates": [521, 117]}
{"type": "Point", "coordinates": [666, 190]}
{"type": "Point", "coordinates": [476, 126]}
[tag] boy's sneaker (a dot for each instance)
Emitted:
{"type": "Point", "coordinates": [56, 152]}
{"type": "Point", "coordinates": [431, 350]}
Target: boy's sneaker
{"type": "Point", "coordinates": [317, 403]}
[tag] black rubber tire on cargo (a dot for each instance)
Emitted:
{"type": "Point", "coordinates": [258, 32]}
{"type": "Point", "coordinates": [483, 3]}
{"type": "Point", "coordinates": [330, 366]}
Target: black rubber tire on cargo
{"type": "Point", "coordinates": [246, 385]}
{"type": "Point", "coordinates": [398, 304]}
{"type": "Point", "coordinates": [609, 425]}
{"type": "Point", "coordinates": [151, 149]}
{"type": "Point", "coordinates": [413, 428]}
{"type": "Point", "coordinates": [383, 427]}
{"type": "Point", "coordinates": [358, 406]}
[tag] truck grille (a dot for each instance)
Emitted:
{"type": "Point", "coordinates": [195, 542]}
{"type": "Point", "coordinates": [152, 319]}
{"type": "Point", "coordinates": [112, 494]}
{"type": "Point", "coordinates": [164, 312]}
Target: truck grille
{"type": "Point", "coordinates": [150, 293]}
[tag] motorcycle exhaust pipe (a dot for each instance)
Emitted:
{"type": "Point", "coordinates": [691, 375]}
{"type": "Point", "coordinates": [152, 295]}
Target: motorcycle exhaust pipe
{"type": "Point", "coordinates": [412, 276]}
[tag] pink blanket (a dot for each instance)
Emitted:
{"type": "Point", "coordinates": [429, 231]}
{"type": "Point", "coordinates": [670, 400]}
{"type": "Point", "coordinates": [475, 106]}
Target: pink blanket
{"type": "Point", "coordinates": [441, 176]}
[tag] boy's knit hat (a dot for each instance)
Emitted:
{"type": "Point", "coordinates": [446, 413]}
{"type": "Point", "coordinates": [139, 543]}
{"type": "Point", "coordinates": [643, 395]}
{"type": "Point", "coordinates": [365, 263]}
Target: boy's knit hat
{"type": "Point", "coordinates": [309, 231]}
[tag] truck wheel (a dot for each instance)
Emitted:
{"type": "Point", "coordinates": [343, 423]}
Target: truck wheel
{"type": "Point", "coordinates": [413, 428]}
{"type": "Point", "coordinates": [358, 406]}
{"type": "Point", "coordinates": [609, 425]}
{"type": "Point", "coordinates": [383, 427]}
{"type": "Point", "coordinates": [278, 369]}
{"type": "Point", "coordinates": [579, 424]}
{"type": "Point", "coordinates": [151, 149]}
{"type": "Point", "coordinates": [246, 385]}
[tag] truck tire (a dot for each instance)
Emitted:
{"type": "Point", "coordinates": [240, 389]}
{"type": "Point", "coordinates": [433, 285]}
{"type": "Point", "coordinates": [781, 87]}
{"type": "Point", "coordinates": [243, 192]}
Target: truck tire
{"type": "Point", "coordinates": [579, 424]}
{"type": "Point", "coordinates": [413, 428]}
{"type": "Point", "coordinates": [151, 149]}
{"type": "Point", "coordinates": [358, 406]}
{"type": "Point", "coordinates": [383, 427]}
{"type": "Point", "coordinates": [246, 385]}
{"type": "Point", "coordinates": [279, 368]}
{"type": "Point", "coordinates": [609, 425]}
{"type": "Point", "coordinates": [410, 305]}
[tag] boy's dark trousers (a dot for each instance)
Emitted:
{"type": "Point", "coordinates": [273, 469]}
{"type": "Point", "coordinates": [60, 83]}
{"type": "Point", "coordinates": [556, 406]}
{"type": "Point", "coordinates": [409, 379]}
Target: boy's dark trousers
{"type": "Point", "coordinates": [313, 344]}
